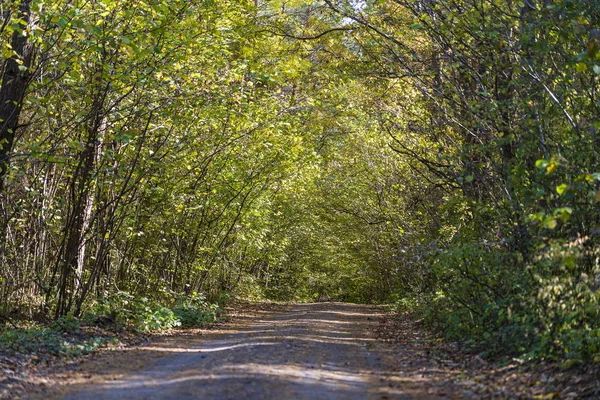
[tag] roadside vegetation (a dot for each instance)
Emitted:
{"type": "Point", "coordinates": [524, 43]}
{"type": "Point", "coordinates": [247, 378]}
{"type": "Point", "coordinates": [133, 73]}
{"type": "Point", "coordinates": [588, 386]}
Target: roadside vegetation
{"type": "Point", "coordinates": [121, 316]}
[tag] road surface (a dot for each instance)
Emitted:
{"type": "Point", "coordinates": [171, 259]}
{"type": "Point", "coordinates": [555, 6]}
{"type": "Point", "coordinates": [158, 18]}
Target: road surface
{"type": "Point", "coordinates": [311, 351]}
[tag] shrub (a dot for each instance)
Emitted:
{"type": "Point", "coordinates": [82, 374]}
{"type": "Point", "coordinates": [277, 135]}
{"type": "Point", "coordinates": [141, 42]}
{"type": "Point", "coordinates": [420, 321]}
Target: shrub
{"type": "Point", "coordinates": [194, 310]}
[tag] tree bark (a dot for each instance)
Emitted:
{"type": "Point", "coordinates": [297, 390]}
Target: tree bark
{"type": "Point", "coordinates": [16, 77]}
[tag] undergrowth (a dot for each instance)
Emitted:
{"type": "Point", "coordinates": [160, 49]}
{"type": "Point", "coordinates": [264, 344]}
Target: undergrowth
{"type": "Point", "coordinates": [118, 312]}
{"type": "Point", "coordinates": [48, 340]}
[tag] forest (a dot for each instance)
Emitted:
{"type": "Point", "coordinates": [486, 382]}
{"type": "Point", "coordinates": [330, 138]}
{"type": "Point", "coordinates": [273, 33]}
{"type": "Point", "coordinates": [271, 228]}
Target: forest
{"type": "Point", "coordinates": [160, 157]}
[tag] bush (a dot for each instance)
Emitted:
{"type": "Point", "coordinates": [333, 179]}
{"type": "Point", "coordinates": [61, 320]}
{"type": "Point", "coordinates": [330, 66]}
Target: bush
{"type": "Point", "coordinates": [194, 310]}
{"type": "Point", "coordinates": [68, 324]}
{"type": "Point", "coordinates": [148, 315]}
{"type": "Point", "coordinates": [491, 300]}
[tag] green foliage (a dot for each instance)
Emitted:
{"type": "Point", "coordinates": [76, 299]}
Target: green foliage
{"type": "Point", "coordinates": [48, 341]}
{"type": "Point", "coordinates": [31, 340]}
{"type": "Point", "coordinates": [567, 304]}
{"type": "Point", "coordinates": [442, 153]}
{"type": "Point", "coordinates": [147, 315]}
{"type": "Point", "coordinates": [66, 324]}
{"type": "Point", "coordinates": [194, 310]}
{"type": "Point", "coordinates": [60, 338]}
{"type": "Point", "coordinates": [491, 205]}
{"type": "Point", "coordinates": [142, 313]}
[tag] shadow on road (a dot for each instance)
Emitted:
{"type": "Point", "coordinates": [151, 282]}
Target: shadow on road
{"type": "Point", "coordinates": [312, 351]}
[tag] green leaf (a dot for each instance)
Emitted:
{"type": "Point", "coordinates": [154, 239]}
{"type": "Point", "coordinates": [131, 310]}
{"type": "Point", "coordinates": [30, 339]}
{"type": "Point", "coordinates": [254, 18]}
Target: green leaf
{"type": "Point", "coordinates": [563, 213]}
{"type": "Point", "coordinates": [597, 69]}
{"type": "Point", "coordinates": [550, 223]}
{"type": "Point", "coordinates": [541, 164]}
{"type": "Point", "coordinates": [560, 189]}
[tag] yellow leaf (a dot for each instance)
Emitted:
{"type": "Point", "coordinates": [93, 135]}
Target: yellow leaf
{"type": "Point", "coordinates": [545, 396]}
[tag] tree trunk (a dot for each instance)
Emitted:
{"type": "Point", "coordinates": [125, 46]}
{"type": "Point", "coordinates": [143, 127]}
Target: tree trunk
{"type": "Point", "coordinates": [16, 77]}
{"type": "Point", "coordinates": [78, 222]}
{"type": "Point", "coordinates": [15, 80]}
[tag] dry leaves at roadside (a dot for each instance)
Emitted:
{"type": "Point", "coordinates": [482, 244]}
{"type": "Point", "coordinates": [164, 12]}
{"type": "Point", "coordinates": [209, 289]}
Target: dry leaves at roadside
{"type": "Point", "coordinates": [479, 378]}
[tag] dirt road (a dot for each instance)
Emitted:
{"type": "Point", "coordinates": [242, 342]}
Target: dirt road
{"type": "Point", "coordinates": [312, 351]}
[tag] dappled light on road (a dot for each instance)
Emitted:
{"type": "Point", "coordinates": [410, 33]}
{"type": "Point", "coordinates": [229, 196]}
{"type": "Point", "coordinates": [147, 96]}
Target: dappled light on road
{"type": "Point", "coordinates": [312, 351]}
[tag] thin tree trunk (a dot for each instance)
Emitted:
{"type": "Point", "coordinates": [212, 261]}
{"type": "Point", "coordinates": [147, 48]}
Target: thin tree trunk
{"type": "Point", "coordinates": [89, 205]}
{"type": "Point", "coordinates": [80, 192]}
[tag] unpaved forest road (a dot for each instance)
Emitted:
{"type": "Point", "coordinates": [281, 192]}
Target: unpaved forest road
{"type": "Point", "coordinates": [311, 351]}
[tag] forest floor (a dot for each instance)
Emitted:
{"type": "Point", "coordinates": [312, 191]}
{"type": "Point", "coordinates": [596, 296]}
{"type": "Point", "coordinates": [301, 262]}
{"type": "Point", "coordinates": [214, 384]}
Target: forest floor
{"type": "Point", "coordinates": [303, 351]}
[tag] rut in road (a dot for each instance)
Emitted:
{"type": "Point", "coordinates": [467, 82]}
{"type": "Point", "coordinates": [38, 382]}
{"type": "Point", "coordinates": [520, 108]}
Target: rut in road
{"type": "Point", "coordinates": [311, 351]}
